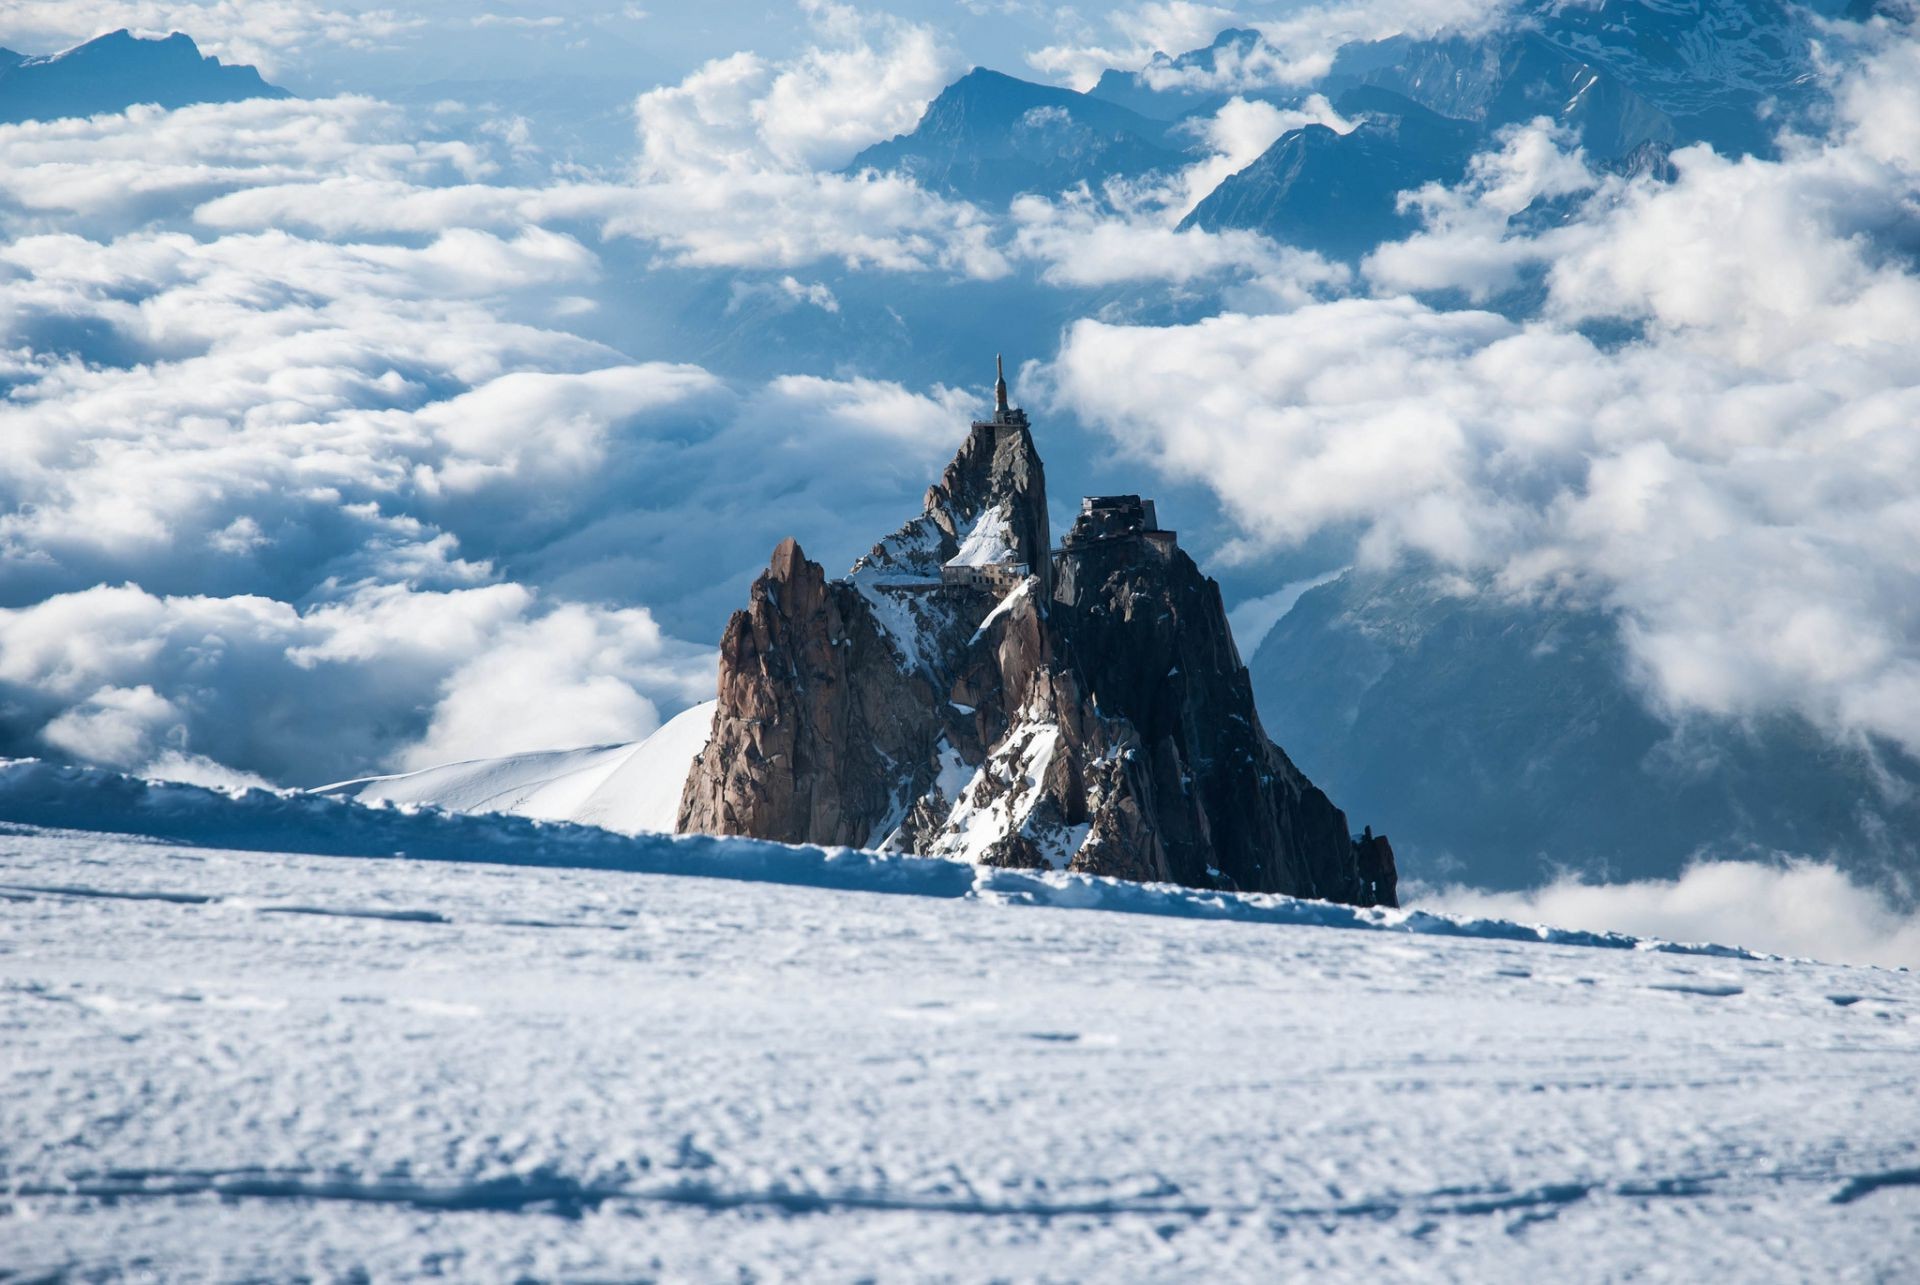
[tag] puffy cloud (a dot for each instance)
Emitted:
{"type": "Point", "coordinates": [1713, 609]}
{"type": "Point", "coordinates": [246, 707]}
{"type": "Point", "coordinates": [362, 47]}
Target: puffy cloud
{"type": "Point", "coordinates": [1726, 480]}
{"type": "Point", "coordinates": [725, 178]}
{"type": "Point", "coordinates": [261, 32]}
{"type": "Point", "coordinates": [1235, 136]}
{"type": "Point", "coordinates": [1464, 243]}
{"type": "Point", "coordinates": [1078, 242]}
{"type": "Point", "coordinates": [293, 421]}
{"type": "Point", "coordinates": [255, 411]}
{"type": "Point", "coordinates": [1805, 909]}
{"type": "Point", "coordinates": [730, 160]}
{"type": "Point", "coordinates": [871, 81]}
{"type": "Point", "coordinates": [1132, 36]}
{"type": "Point", "coordinates": [195, 686]}
{"type": "Point", "coordinates": [837, 462]}
{"type": "Point", "coordinates": [863, 221]}
{"type": "Point", "coordinates": [119, 171]}
{"type": "Point", "coordinates": [1127, 232]}
{"type": "Point", "coordinates": [576, 675]}
{"type": "Point", "coordinates": [1293, 49]}
{"type": "Point", "coordinates": [275, 506]}
{"type": "Point", "coordinates": [742, 137]}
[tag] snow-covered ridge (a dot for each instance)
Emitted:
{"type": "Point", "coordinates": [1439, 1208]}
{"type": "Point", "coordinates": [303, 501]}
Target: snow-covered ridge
{"type": "Point", "coordinates": [632, 789]}
{"type": "Point", "coordinates": [34, 793]}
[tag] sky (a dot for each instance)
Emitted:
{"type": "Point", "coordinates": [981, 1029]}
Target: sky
{"type": "Point", "coordinates": [334, 45]}
{"type": "Point", "coordinates": [368, 430]}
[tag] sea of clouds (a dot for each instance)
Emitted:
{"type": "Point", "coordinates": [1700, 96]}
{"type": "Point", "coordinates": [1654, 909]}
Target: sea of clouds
{"type": "Point", "coordinates": [318, 455]}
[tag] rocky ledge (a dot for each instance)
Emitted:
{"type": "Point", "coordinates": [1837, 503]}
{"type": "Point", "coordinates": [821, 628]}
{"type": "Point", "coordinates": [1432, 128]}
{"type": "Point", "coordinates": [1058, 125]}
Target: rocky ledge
{"type": "Point", "coordinates": [968, 691]}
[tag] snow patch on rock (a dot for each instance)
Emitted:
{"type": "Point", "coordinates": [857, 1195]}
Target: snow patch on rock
{"type": "Point", "coordinates": [991, 541]}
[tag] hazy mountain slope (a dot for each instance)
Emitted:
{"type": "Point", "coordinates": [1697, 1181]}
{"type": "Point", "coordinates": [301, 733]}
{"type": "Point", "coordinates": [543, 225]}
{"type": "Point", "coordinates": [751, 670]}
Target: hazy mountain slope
{"type": "Point", "coordinates": [113, 72]}
{"type": "Point", "coordinates": [1507, 79]}
{"type": "Point", "coordinates": [989, 137]}
{"type": "Point", "coordinates": [1335, 192]}
{"type": "Point", "coordinates": [1497, 742]}
{"type": "Point", "coordinates": [263, 1066]}
{"type": "Point", "coordinates": [1725, 70]}
{"type": "Point", "coordinates": [1169, 87]}
{"type": "Point", "coordinates": [1620, 72]}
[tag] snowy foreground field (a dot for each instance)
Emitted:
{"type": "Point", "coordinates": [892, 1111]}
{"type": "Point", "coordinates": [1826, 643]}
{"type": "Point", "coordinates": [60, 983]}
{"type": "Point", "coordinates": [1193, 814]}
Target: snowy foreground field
{"type": "Point", "coordinates": [267, 1065]}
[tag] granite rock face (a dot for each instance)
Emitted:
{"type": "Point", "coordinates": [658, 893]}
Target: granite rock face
{"type": "Point", "coordinates": [1094, 717]}
{"type": "Point", "coordinates": [815, 711]}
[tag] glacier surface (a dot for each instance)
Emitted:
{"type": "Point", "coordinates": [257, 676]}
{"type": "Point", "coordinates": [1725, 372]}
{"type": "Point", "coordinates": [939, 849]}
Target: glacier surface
{"type": "Point", "coordinates": [547, 1051]}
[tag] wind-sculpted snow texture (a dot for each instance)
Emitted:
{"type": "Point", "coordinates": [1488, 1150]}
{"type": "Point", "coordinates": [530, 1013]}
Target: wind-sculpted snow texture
{"type": "Point", "coordinates": [52, 798]}
{"type": "Point", "coordinates": [258, 1065]}
{"type": "Point", "coordinates": [1096, 717]}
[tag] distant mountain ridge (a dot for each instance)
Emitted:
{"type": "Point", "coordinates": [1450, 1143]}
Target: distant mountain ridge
{"type": "Point", "coordinates": [990, 136]}
{"type": "Point", "coordinates": [116, 71]}
{"type": "Point", "coordinates": [1336, 193]}
{"type": "Point", "coordinates": [1621, 72]}
{"type": "Point", "coordinates": [1508, 79]}
{"type": "Point", "coordinates": [1631, 79]}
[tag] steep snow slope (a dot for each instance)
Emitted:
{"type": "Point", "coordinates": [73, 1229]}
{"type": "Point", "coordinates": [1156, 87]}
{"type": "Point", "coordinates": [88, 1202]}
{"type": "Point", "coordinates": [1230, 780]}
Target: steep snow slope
{"type": "Point", "coordinates": [257, 1065]}
{"type": "Point", "coordinates": [629, 788]}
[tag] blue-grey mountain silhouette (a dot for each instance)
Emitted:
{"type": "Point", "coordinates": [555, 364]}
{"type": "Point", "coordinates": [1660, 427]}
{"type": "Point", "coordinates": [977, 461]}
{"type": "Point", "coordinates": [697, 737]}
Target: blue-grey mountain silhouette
{"type": "Point", "coordinates": [116, 71]}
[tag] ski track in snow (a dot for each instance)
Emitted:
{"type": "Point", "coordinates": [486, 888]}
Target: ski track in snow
{"type": "Point", "coordinates": [273, 1065]}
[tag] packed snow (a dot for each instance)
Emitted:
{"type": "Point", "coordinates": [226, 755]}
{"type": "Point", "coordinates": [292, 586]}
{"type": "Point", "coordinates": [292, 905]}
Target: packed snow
{"type": "Point", "coordinates": [631, 788]}
{"type": "Point", "coordinates": [597, 1062]}
{"type": "Point", "coordinates": [990, 542]}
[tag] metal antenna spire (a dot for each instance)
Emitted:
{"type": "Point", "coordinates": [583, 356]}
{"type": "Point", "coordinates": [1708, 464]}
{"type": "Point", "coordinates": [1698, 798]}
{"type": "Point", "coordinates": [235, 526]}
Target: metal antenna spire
{"type": "Point", "coordinates": [999, 389]}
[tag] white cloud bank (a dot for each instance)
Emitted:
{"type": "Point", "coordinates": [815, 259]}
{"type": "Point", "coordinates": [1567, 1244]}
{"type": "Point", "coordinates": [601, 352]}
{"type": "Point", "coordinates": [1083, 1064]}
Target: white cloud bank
{"type": "Point", "coordinates": [1802, 909]}
{"type": "Point", "coordinates": [1734, 481]}
{"type": "Point", "coordinates": [385, 675]}
{"type": "Point", "coordinates": [299, 479]}
{"type": "Point", "coordinates": [1127, 232]}
{"type": "Point", "coordinates": [353, 516]}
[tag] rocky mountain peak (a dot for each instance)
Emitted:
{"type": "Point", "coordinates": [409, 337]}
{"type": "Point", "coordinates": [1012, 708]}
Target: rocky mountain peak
{"type": "Point", "coordinates": [998, 469]}
{"type": "Point", "coordinates": [989, 506]}
{"type": "Point", "coordinates": [969, 691]}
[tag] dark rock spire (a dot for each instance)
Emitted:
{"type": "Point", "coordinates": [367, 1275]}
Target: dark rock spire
{"type": "Point", "coordinates": [1096, 717]}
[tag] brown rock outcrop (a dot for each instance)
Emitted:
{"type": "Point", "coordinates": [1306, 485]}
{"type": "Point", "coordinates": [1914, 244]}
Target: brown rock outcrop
{"type": "Point", "coordinates": [815, 715]}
